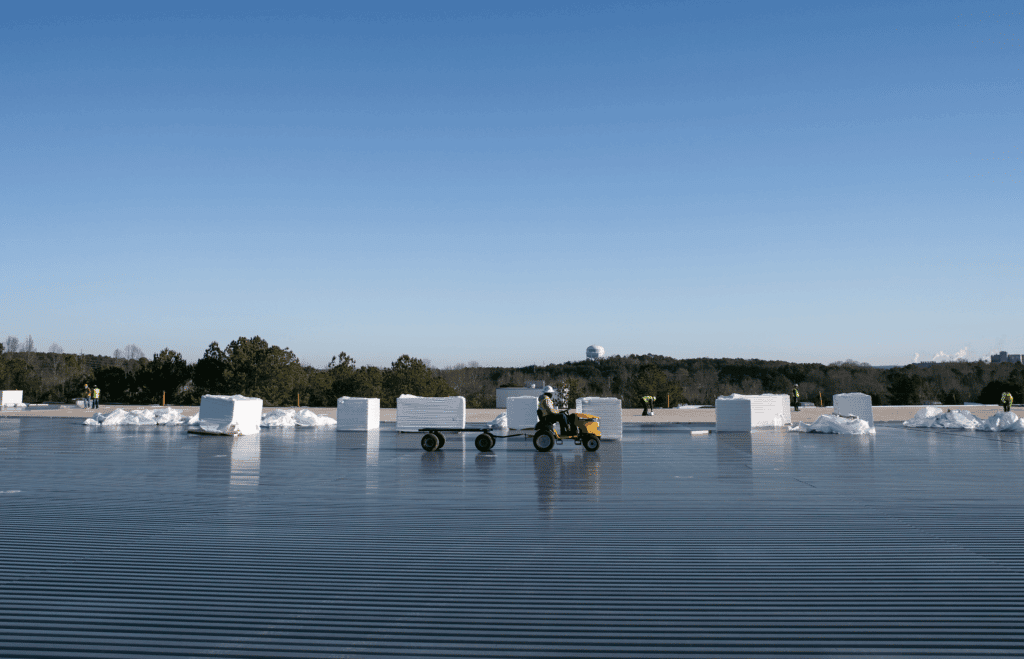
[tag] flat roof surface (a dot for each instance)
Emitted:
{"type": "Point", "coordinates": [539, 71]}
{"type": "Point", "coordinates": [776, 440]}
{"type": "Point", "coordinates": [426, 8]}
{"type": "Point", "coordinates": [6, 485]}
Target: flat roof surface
{"type": "Point", "coordinates": [130, 542]}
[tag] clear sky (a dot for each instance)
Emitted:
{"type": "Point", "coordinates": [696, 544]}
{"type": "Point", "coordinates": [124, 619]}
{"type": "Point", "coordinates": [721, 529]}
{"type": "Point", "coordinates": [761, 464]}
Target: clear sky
{"type": "Point", "coordinates": [512, 182]}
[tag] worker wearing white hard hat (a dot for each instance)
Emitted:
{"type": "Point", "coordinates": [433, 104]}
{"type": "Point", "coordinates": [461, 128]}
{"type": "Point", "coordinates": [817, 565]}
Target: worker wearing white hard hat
{"type": "Point", "coordinates": [551, 413]}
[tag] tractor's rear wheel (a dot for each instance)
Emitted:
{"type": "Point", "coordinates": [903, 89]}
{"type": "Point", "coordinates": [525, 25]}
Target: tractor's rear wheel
{"type": "Point", "coordinates": [543, 441]}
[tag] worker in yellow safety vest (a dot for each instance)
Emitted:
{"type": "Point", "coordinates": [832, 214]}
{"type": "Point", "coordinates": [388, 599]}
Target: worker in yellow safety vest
{"type": "Point", "coordinates": [1006, 400]}
{"type": "Point", "coordinates": [96, 397]}
{"type": "Point", "coordinates": [796, 399]}
{"type": "Point", "coordinates": [648, 405]}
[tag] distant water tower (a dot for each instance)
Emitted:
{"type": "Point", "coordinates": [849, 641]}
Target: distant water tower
{"type": "Point", "coordinates": [595, 353]}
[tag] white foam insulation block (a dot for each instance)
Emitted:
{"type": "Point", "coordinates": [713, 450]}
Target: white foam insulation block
{"type": "Point", "coordinates": [11, 397]}
{"type": "Point", "coordinates": [237, 415]}
{"type": "Point", "coordinates": [522, 412]}
{"type": "Point", "coordinates": [610, 411]}
{"type": "Point", "coordinates": [358, 413]}
{"type": "Point", "coordinates": [739, 413]}
{"type": "Point", "coordinates": [855, 404]}
{"type": "Point", "coordinates": [415, 412]}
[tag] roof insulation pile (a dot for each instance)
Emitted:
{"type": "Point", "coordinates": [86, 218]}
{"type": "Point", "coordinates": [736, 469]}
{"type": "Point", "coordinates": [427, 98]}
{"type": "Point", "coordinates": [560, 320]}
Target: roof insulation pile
{"type": "Point", "coordinates": [836, 425]}
{"type": "Point", "coordinates": [358, 413]}
{"type": "Point", "coordinates": [855, 404]}
{"type": "Point", "coordinates": [416, 412]}
{"type": "Point", "coordinates": [230, 415]}
{"type": "Point", "coordinates": [610, 411]}
{"type": "Point", "coordinates": [739, 413]}
{"type": "Point", "coordinates": [933, 417]}
{"type": "Point", "coordinates": [290, 418]}
{"type": "Point", "coordinates": [522, 411]}
{"type": "Point", "coordinates": [500, 422]}
{"type": "Point", "coordinates": [166, 416]}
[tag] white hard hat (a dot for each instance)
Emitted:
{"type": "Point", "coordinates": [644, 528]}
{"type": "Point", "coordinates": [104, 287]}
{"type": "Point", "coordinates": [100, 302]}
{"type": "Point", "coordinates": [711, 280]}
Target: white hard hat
{"type": "Point", "coordinates": [549, 389]}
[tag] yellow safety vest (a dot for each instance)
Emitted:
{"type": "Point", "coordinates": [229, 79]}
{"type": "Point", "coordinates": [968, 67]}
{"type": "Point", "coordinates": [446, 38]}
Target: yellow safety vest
{"type": "Point", "coordinates": [96, 392]}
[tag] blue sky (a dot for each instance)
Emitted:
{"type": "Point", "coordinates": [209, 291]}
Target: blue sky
{"type": "Point", "coordinates": [511, 182]}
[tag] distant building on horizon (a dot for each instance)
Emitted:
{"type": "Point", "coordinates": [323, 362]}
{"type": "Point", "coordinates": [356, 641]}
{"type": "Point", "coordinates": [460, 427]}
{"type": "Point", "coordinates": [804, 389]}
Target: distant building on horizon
{"type": "Point", "coordinates": [1003, 358]}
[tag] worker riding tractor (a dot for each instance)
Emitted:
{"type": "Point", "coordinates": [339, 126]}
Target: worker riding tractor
{"type": "Point", "coordinates": [581, 428]}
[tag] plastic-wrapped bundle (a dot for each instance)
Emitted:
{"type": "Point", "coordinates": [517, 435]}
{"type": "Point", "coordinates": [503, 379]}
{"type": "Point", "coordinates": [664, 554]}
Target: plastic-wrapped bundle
{"type": "Point", "coordinates": [11, 398]}
{"type": "Point", "coordinates": [415, 412]}
{"type": "Point", "coordinates": [358, 413]}
{"type": "Point", "coordinates": [933, 417]}
{"type": "Point", "coordinates": [230, 415]}
{"type": "Point", "coordinates": [522, 411]}
{"type": "Point", "coordinates": [855, 404]}
{"type": "Point", "coordinates": [836, 425]}
{"type": "Point", "coordinates": [739, 413]}
{"type": "Point", "coordinates": [289, 418]}
{"type": "Point", "coordinates": [145, 417]}
{"type": "Point", "coordinates": [610, 411]}
{"type": "Point", "coordinates": [1003, 422]}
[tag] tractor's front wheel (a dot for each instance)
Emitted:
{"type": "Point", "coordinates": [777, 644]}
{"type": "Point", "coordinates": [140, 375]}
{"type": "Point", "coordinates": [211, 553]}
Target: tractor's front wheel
{"type": "Point", "coordinates": [591, 443]}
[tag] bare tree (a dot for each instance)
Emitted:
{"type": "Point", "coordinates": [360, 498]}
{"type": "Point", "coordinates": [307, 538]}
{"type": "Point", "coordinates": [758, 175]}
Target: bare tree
{"type": "Point", "coordinates": [12, 345]}
{"type": "Point", "coordinates": [29, 345]}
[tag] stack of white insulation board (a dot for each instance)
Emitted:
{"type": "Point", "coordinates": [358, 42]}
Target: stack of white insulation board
{"type": "Point", "coordinates": [230, 415]}
{"type": "Point", "coordinates": [522, 412]}
{"type": "Point", "coordinates": [415, 412]}
{"type": "Point", "coordinates": [610, 411]}
{"type": "Point", "coordinates": [739, 413]}
{"type": "Point", "coordinates": [358, 413]}
{"type": "Point", "coordinates": [11, 398]}
{"type": "Point", "coordinates": [502, 394]}
{"type": "Point", "coordinates": [858, 405]}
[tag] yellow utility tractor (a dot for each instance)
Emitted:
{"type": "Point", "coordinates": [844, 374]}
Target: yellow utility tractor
{"type": "Point", "coordinates": [585, 430]}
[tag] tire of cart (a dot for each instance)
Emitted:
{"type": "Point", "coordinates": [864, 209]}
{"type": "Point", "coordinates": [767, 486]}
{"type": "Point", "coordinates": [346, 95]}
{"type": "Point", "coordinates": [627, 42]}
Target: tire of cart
{"type": "Point", "coordinates": [440, 439]}
{"type": "Point", "coordinates": [543, 441]}
{"type": "Point", "coordinates": [484, 442]}
{"type": "Point", "coordinates": [430, 442]}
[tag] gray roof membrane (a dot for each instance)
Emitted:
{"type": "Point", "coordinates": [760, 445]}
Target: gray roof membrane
{"type": "Point", "coordinates": [131, 542]}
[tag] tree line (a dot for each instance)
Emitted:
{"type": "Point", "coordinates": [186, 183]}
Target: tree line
{"type": "Point", "coordinates": [252, 367]}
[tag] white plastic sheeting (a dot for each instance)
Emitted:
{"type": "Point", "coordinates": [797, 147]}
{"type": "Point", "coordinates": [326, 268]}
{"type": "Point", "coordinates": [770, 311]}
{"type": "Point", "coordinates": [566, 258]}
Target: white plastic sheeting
{"type": "Point", "coordinates": [1003, 422]}
{"type": "Point", "coordinates": [12, 398]}
{"type": "Point", "coordinates": [289, 418]}
{"type": "Point", "coordinates": [230, 415]}
{"type": "Point", "coordinates": [610, 411]}
{"type": "Point", "coordinates": [933, 417]}
{"type": "Point", "coordinates": [415, 412]}
{"type": "Point", "coordinates": [836, 425]}
{"type": "Point", "coordinates": [739, 413]}
{"type": "Point", "coordinates": [854, 404]}
{"type": "Point", "coordinates": [149, 417]}
{"type": "Point", "coordinates": [500, 422]}
{"type": "Point", "coordinates": [358, 413]}
{"type": "Point", "coordinates": [522, 411]}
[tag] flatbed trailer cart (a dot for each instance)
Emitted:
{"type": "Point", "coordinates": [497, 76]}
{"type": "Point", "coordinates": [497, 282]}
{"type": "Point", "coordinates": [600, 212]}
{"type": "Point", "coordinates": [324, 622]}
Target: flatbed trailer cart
{"type": "Point", "coordinates": [545, 436]}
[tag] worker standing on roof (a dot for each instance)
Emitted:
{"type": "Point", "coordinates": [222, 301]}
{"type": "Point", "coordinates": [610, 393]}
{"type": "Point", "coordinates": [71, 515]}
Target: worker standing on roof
{"type": "Point", "coordinates": [96, 397]}
{"type": "Point", "coordinates": [796, 399]}
{"type": "Point", "coordinates": [1006, 400]}
{"type": "Point", "coordinates": [88, 396]}
{"type": "Point", "coordinates": [648, 405]}
{"type": "Point", "coordinates": [550, 413]}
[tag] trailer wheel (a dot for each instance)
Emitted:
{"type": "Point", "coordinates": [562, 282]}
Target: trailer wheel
{"type": "Point", "coordinates": [543, 441]}
{"type": "Point", "coordinates": [484, 442]}
{"type": "Point", "coordinates": [429, 442]}
{"type": "Point", "coordinates": [591, 443]}
{"type": "Point", "coordinates": [440, 439]}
